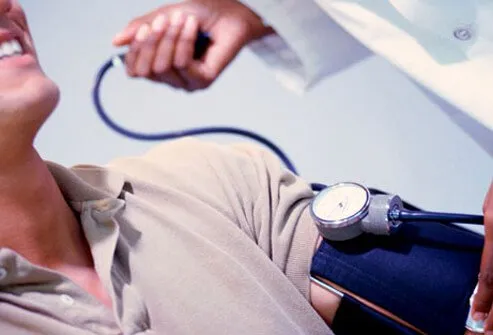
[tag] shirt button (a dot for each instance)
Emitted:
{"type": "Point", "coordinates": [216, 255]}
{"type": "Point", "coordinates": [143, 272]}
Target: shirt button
{"type": "Point", "coordinates": [3, 273]}
{"type": "Point", "coordinates": [67, 300]}
{"type": "Point", "coordinates": [104, 205]}
{"type": "Point", "coordinates": [463, 33]}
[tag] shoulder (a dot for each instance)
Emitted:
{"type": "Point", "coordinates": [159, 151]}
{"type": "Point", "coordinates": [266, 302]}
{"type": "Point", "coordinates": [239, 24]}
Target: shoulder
{"type": "Point", "coordinates": [201, 162]}
{"type": "Point", "coordinates": [193, 152]}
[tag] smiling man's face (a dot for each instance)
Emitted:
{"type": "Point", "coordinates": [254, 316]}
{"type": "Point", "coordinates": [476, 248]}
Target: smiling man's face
{"type": "Point", "coordinates": [27, 95]}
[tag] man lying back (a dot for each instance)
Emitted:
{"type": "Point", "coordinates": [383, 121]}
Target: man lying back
{"type": "Point", "coordinates": [191, 237]}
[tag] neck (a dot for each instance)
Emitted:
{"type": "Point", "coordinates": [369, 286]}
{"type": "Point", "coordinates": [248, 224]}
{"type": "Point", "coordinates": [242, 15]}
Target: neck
{"type": "Point", "coordinates": [36, 220]}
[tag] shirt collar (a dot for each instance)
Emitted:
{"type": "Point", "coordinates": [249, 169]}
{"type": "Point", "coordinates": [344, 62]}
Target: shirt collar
{"type": "Point", "coordinates": [83, 183]}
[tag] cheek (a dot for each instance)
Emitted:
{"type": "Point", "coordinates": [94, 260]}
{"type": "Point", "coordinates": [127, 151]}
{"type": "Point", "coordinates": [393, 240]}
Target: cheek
{"type": "Point", "coordinates": [19, 18]}
{"type": "Point", "coordinates": [18, 12]}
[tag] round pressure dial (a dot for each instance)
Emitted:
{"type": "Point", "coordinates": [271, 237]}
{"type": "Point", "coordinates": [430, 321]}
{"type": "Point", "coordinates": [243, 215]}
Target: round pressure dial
{"type": "Point", "coordinates": [339, 207]}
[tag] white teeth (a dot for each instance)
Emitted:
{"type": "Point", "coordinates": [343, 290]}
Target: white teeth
{"type": "Point", "coordinates": [10, 48]}
{"type": "Point", "coordinates": [7, 48]}
{"type": "Point", "coordinates": [17, 46]}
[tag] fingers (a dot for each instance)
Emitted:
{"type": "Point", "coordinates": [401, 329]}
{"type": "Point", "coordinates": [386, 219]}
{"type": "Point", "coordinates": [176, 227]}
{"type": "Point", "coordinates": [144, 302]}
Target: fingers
{"type": "Point", "coordinates": [166, 47]}
{"type": "Point", "coordinates": [126, 36]}
{"type": "Point", "coordinates": [162, 49]}
{"type": "Point", "coordinates": [221, 52]}
{"type": "Point", "coordinates": [143, 50]}
{"type": "Point", "coordinates": [186, 43]}
{"type": "Point", "coordinates": [172, 78]}
{"type": "Point", "coordinates": [140, 49]}
{"type": "Point", "coordinates": [184, 55]}
{"type": "Point", "coordinates": [484, 297]}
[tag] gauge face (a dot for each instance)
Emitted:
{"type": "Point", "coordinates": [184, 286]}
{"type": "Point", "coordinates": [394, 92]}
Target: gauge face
{"type": "Point", "coordinates": [340, 202]}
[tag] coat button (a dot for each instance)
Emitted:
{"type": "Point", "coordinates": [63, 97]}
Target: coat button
{"type": "Point", "coordinates": [463, 34]}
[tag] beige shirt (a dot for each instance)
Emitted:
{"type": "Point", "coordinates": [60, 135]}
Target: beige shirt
{"type": "Point", "coordinates": [191, 238]}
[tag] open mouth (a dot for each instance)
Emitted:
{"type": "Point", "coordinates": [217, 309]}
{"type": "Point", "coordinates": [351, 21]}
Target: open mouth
{"type": "Point", "coordinates": [10, 48]}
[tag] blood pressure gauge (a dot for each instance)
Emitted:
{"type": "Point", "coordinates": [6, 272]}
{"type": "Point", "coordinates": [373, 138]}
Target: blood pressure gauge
{"type": "Point", "coordinates": [345, 210]}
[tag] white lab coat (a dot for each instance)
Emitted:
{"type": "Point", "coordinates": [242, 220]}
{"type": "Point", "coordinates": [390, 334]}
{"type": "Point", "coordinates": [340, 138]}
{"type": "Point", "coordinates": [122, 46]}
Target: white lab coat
{"type": "Point", "coordinates": [444, 46]}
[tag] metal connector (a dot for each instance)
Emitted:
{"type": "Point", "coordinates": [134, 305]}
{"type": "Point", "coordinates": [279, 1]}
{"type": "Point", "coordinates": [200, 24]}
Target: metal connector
{"type": "Point", "coordinates": [117, 61]}
{"type": "Point", "coordinates": [471, 324]}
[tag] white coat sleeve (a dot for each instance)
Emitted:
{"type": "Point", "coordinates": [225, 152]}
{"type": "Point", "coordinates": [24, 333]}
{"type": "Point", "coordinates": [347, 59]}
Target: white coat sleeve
{"type": "Point", "coordinates": [308, 44]}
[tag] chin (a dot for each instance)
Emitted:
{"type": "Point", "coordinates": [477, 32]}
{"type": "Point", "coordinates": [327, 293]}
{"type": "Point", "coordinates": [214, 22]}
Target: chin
{"type": "Point", "coordinates": [44, 95]}
{"type": "Point", "coordinates": [27, 108]}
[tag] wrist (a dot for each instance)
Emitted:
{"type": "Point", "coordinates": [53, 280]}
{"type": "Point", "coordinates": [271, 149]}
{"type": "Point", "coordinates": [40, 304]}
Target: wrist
{"type": "Point", "coordinates": [258, 27]}
{"type": "Point", "coordinates": [266, 31]}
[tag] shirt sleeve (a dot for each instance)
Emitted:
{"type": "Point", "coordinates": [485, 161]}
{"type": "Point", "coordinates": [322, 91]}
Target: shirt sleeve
{"type": "Point", "coordinates": [281, 222]}
{"type": "Point", "coordinates": [245, 183]}
{"type": "Point", "coordinates": [308, 44]}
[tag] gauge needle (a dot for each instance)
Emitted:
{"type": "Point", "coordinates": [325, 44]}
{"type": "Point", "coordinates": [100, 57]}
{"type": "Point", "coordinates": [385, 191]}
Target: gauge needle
{"type": "Point", "coordinates": [341, 206]}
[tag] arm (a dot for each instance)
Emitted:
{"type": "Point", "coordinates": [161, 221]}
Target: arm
{"type": "Point", "coordinates": [306, 45]}
{"type": "Point", "coordinates": [481, 308]}
{"type": "Point", "coordinates": [243, 203]}
{"type": "Point", "coordinates": [245, 213]}
{"type": "Point", "coordinates": [274, 213]}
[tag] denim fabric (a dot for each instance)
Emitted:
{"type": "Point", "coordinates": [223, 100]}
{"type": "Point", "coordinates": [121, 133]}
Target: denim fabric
{"type": "Point", "coordinates": [424, 274]}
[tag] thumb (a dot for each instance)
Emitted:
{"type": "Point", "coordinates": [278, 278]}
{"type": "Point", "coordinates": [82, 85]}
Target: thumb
{"type": "Point", "coordinates": [222, 51]}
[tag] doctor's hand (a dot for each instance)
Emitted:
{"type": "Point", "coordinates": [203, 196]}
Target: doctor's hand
{"type": "Point", "coordinates": [482, 305]}
{"type": "Point", "coordinates": [161, 43]}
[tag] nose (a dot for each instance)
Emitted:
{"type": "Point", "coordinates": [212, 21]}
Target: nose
{"type": "Point", "coordinates": [5, 6]}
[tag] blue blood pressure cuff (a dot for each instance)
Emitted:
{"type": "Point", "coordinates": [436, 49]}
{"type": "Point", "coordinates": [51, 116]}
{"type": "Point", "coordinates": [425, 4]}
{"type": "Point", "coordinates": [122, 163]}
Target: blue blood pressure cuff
{"type": "Point", "coordinates": [424, 274]}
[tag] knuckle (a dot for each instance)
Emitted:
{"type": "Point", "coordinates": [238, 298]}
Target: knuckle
{"type": "Point", "coordinates": [486, 279]}
{"type": "Point", "coordinates": [488, 212]}
{"type": "Point", "coordinates": [171, 34]}
{"type": "Point", "coordinates": [242, 28]}
{"type": "Point", "coordinates": [174, 84]}
{"type": "Point", "coordinates": [209, 77]}
{"type": "Point", "coordinates": [481, 305]}
{"type": "Point", "coordinates": [161, 69]}
{"type": "Point", "coordinates": [192, 89]}
{"type": "Point", "coordinates": [132, 53]}
{"type": "Point", "coordinates": [193, 86]}
{"type": "Point", "coordinates": [181, 63]}
{"type": "Point", "coordinates": [135, 22]}
{"type": "Point", "coordinates": [130, 68]}
{"type": "Point", "coordinates": [203, 84]}
{"type": "Point", "coordinates": [150, 40]}
{"type": "Point", "coordinates": [143, 72]}
{"type": "Point", "coordinates": [166, 43]}
{"type": "Point", "coordinates": [186, 38]}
